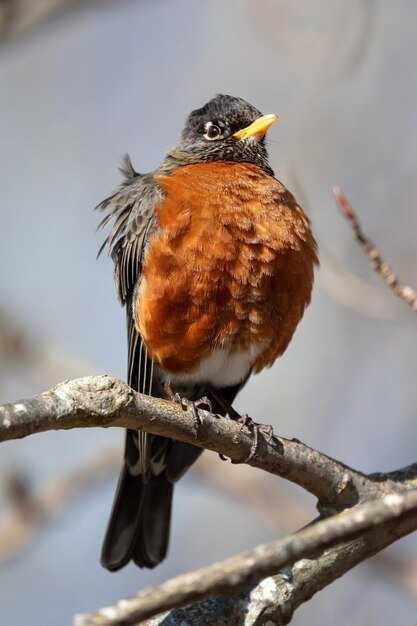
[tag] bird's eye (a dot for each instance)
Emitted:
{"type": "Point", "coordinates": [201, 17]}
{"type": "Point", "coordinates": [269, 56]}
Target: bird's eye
{"type": "Point", "coordinates": [212, 131]}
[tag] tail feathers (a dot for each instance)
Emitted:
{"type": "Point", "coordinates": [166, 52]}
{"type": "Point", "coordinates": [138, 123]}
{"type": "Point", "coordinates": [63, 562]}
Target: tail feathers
{"type": "Point", "coordinates": [139, 523]}
{"type": "Point", "coordinates": [179, 458]}
{"type": "Point", "coordinates": [151, 545]}
{"type": "Point", "coordinates": [124, 523]}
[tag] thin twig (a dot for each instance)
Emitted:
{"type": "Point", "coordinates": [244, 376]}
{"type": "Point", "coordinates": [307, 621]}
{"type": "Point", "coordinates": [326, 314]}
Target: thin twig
{"type": "Point", "coordinates": [386, 272]}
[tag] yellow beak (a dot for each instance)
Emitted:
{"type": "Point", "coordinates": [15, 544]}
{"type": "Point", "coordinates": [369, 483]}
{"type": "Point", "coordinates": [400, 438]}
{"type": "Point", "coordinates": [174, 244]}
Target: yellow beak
{"type": "Point", "coordinates": [258, 128]}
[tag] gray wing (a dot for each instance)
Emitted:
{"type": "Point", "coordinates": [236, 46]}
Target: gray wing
{"type": "Point", "coordinates": [131, 213]}
{"type": "Point", "coordinates": [131, 210]}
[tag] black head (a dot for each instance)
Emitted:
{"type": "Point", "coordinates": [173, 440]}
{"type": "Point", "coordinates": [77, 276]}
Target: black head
{"type": "Point", "coordinates": [224, 130]}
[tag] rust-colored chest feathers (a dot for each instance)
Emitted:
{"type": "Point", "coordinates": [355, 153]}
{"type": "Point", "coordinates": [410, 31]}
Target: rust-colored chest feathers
{"type": "Point", "coordinates": [229, 269]}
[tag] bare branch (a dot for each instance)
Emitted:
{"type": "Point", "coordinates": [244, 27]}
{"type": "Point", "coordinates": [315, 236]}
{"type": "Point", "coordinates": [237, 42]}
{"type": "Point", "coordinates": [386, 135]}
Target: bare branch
{"type": "Point", "coordinates": [386, 272]}
{"type": "Point", "coordinates": [105, 401]}
{"type": "Point", "coordinates": [235, 574]}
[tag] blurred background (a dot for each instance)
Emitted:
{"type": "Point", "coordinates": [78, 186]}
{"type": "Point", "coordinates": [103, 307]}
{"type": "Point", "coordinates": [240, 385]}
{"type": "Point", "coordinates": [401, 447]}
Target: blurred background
{"type": "Point", "coordinates": [83, 82]}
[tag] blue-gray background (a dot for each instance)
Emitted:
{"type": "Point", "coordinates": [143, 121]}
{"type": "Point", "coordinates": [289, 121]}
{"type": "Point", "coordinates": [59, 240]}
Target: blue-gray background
{"type": "Point", "coordinates": [108, 78]}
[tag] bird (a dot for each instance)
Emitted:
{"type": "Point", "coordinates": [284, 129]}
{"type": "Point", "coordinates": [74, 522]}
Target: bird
{"type": "Point", "coordinates": [214, 262]}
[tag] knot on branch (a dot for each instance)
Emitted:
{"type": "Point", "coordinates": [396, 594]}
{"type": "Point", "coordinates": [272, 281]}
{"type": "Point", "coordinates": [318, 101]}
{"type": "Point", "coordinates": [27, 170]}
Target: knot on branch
{"type": "Point", "coordinates": [97, 395]}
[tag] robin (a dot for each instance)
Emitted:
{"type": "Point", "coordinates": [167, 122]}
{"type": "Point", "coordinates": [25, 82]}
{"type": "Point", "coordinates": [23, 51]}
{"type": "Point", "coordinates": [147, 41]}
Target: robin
{"type": "Point", "coordinates": [214, 263]}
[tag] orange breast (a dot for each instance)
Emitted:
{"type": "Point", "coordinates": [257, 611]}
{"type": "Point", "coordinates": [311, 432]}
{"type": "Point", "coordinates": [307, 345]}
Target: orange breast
{"type": "Point", "coordinates": [230, 266]}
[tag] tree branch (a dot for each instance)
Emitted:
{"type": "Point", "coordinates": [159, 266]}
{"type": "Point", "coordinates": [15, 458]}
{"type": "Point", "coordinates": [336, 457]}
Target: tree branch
{"type": "Point", "coordinates": [235, 574]}
{"type": "Point", "coordinates": [104, 401]}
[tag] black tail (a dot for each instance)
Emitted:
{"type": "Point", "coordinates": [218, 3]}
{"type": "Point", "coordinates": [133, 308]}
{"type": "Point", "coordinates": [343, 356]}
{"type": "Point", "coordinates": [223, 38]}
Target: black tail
{"type": "Point", "coordinates": [139, 523]}
{"type": "Point", "coordinates": [140, 520]}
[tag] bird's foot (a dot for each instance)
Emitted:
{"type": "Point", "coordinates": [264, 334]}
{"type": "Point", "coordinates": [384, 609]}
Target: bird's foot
{"type": "Point", "coordinates": [255, 429]}
{"type": "Point", "coordinates": [245, 420]}
{"type": "Point", "coordinates": [193, 405]}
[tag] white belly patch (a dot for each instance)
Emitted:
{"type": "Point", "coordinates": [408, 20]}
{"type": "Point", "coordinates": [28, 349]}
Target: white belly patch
{"type": "Point", "coordinates": [221, 368]}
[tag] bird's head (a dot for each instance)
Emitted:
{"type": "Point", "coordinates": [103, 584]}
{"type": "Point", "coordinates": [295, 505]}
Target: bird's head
{"type": "Point", "coordinates": [224, 129]}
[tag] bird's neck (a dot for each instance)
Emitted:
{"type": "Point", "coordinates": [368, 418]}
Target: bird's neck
{"type": "Point", "coordinates": [181, 158]}
{"type": "Point", "coordinates": [176, 158]}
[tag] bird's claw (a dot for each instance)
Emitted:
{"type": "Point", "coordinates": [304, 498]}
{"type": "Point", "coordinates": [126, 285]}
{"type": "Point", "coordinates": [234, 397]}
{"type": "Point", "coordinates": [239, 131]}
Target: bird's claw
{"type": "Point", "coordinates": [193, 405]}
{"type": "Point", "coordinates": [267, 431]}
{"type": "Point", "coordinates": [255, 429]}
